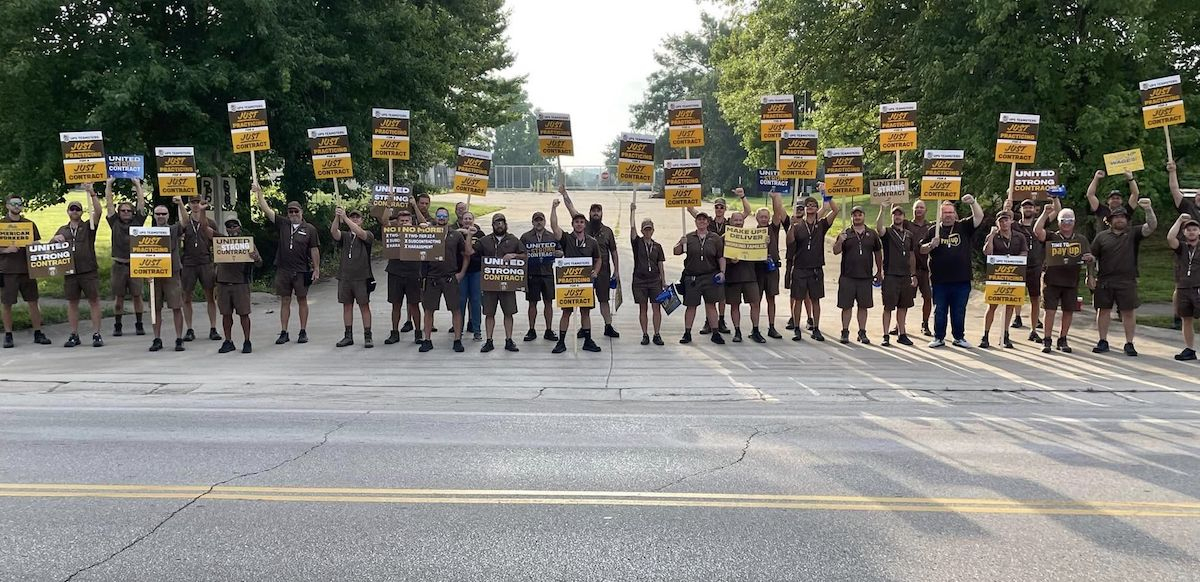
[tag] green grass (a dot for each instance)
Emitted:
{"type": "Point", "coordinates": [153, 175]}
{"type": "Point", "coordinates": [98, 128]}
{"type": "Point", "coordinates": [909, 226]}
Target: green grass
{"type": "Point", "coordinates": [1163, 321]}
{"type": "Point", "coordinates": [50, 218]}
{"type": "Point", "coordinates": [1156, 264]}
{"type": "Point", "coordinates": [52, 314]}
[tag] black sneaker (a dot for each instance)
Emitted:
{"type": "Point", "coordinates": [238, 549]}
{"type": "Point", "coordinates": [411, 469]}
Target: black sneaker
{"type": "Point", "coordinates": [862, 338]}
{"type": "Point", "coordinates": [721, 325]}
{"type": "Point", "coordinates": [425, 346]}
{"type": "Point", "coordinates": [887, 341]}
{"type": "Point", "coordinates": [213, 335]}
{"type": "Point", "coordinates": [1039, 326]}
{"type": "Point", "coordinates": [1034, 337]}
{"type": "Point", "coordinates": [189, 335]}
{"type": "Point", "coordinates": [589, 345]}
{"type": "Point", "coordinates": [737, 336]}
{"type": "Point", "coordinates": [1129, 351]}
{"type": "Point", "coordinates": [559, 347]}
{"type": "Point", "coordinates": [139, 329]}
{"type": "Point", "coordinates": [579, 334]}
{"type": "Point", "coordinates": [757, 337]}
{"type": "Point", "coordinates": [817, 335]}
{"type": "Point", "coordinates": [791, 324]}
{"type": "Point", "coordinates": [895, 331]}
{"type": "Point", "coordinates": [117, 331]}
{"type": "Point", "coordinates": [925, 330]}
{"type": "Point", "coordinates": [810, 325]}
{"type": "Point", "coordinates": [302, 337]}
{"type": "Point", "coordinates": [226, 347]}
{"type": "Point", "coordinates": [368, 341]}
{"type": "Point", "coordinates": [1187, 354]}
{"type": "Point", "coordinates": [1101, 347]}
{"type": "Point", "coordinates": [609, 331]}
{"type": "Point", "coordinates": [845, 337]}
{"type": "Point", "coordinates": [417, 339]}
{"type": "Point", "coordinates": [645, 339]}
{"type": "Point", "coordinates": [903, 340]}
{"type": "Point", "coordinates": [434, 330]}
{"type": "Point", "coordinates": [686, 339]}
{"type": "Point", "coordinates": [156, 345]}
{"type": "Point", "coordinates": [510, 346]}
{"type": "Point", "coordinates": [530, 336]}
{"type": "Point", "coordinates": [8, 340]}
{"type": "Point", "coordinates": [179, 344]}
{"type": "Point", "coordinates": [458, 347]}
{"type": "Point", "coordinates": [1066, 349]}
{"type": "Point", "coordinates": [348, 340]}
{"type": "Point", "coordinates": [451, 332]}
{"type": "Point", "coordinates": [393, 337]}
{"type": "Point", "coordinates": [716, 338]}
{"type": "Point", "coordinates": [797, 334]}
{"type": "Point", "coordinates": [1017, 323]}
{"type": "Point", "coordinates": [487, 347]}
{"type": "Point", "coordinates": [246, 347]}
{"type": "Point", "coordinates": [1046, 343]}
{"type": "Point", "coordinates": [408, 326]}
{"type": "Point", "coordinates": [984, 343]}
{"type": "Point", "coordinates": [97, 341]}
{"type": "Point", "coordinates": [283, 338]}
{"type": "Point", "coordinates": [1007, 342]}
{"type": "Point", "coordinates": [40, 338]}
{"type": "Point", "coordinates": [72, 341]}
{"type": "Point", "coordinates": [550, 336]}
{"type": "Point", "coordinates": [656, 340]}
{"type": "Point", "coordinates": [706, 329]}
{"type": "Point", "coordinates": [771, 333]}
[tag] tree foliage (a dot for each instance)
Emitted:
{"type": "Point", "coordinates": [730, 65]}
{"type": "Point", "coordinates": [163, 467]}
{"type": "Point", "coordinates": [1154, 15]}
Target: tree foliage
{"type": "Point", "coordinates": [516, 143]}
{"type": "Point", "coordinates": [155, 73]}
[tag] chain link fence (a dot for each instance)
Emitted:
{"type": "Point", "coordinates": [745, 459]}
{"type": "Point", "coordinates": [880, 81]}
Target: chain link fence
{"type": "Point", "coordinates": [545, 178]}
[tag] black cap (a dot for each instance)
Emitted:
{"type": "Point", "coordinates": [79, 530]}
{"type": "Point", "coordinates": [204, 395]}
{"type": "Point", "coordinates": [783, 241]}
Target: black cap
{"type": "Point", "coordinates": [232, 222]}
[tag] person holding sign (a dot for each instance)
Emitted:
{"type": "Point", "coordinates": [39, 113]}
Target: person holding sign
{"type": "Point", "coordinates": [1035, 253]}
{"type": "Point", "coordinates": [610, 260]}
{"type": "Point", "coordinates": [767, 272]}
{"type": "Point", "coordinates": [14, 273]}
{"type": "Point", "coordinates": [355, 280]}
{"type": "Point", "coordinates": [1116, 253]}
{"type": "Point", "coordinates": [233, 291]}
{"type": "Point", "coordinates": [1114, 200]}
{"type": "Point", "coordinates": [703, 275]}
{"type": "Point", "coordinates": [198, 265]}
{"type": "Point", "coordinates": [862, 265]}
{"type": "Point", "coordinates": [297, 262]}
{"type": "Point", "coordinates": [948, 245]}
{"type": "Point", "coordinates": [120, 219]}
{"type": "Point", "coordinates": [717, 224]}
{"type": "Point", "coordinates": [404, 286]}
{"type": "Point", "coordinates": [919, 227]}
{"type": "Point", "coordinates": [741, 285]}
{"type": "Point", "coordinates": [649, 275]}
{"type": "Point", "coordinates": [1184, 204]}
{"type": "Point", "coordinates": [168, 289]}
{"type": "Point", "coordinates": [85, 281]}
{"type": "Point", "coordinates": [1002, 241]}
{"type": "Point", "coordinates": [576, 245]}
{"type": "Point", "coordinates": [899, 273]}
{"type": "Point", "coordinates": [1066, 252]}
{"type": "Point", "coordinates": [442, 280]}
{"type": "Point", "coordinates": [1187, 278]}
{"type": "Point", "coordinates": [807, 235]}
{"type": "Point", "coordinates": [504, 245]}
{"type": "Point", "coordinates": [541, 247]}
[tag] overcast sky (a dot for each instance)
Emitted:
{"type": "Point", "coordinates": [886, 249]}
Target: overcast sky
{"type": "Point", "coordinates": [591, 59]}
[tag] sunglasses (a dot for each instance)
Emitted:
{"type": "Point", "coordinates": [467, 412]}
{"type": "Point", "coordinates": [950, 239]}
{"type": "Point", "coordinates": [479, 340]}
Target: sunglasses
{"type": "Point", "coordinates": [293, 211]}
{"type": "Point", "coordinates": [442, 216]}
{"type": "Point", "coordinates": [74, 209]}
{"type": "Point", "coordinates": [645, 228]}
{"type": "Point", "coordinates": [161, 214]}
{"type": "Point", "coordinates": [719, 207]}
{"type": "Point", "coordinates": [125, 210]}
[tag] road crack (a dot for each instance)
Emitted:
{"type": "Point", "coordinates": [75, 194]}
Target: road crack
{"type": "Point", "coordinates": [741, 457]}
{"type": "Point", "coordinates": [192, 501]}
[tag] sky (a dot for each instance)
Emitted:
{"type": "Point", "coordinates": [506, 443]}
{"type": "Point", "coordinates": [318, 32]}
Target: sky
{"type": "Point", "coordinates": [590, 59]}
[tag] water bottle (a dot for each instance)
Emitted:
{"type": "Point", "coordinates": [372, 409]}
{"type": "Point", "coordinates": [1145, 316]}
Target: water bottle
{"type": "Point", "coordinates": [771, 266]}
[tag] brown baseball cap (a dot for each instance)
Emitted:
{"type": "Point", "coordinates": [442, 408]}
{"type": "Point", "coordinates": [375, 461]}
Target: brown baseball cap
{"type": "Point", "coordinates": [294, 204]}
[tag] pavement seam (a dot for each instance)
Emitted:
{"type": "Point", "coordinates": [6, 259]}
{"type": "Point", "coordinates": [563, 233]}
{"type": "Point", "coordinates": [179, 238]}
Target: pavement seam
{"type": "Point", "coordinates": [169, 517]}
{"type": "Point", "coordinates": [741, 457]}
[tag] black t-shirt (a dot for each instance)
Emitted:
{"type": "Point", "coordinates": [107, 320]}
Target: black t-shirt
{"type": "Point", "coordinates": [950, 262]}
{"type": "Point", "coordinates": [1117, 254]}
{"type": "Point", "coordinates": [858, 253]}
{"type": "Point", "coordinates": [448, 266]}
{"type": "Point", "coordinates": [120, 232]}
{"type": "Point", "coordinates": [355, 257]}
{"type": "Point", "coordinates": [606, 240]}
{"type": "Point", "coordinates": [899, 247]}
{"type": "Point", "coordinates": [1034, 248]}
{"type": "Point", "coordinates": [773, 240]}
{"type": "Point", "coordinates": [1012, 246]}
{"type": "Point", "coordinates": [573, 248]}
{"type": "Point", "coordinates": [83, 245]}
{"type": "Point", "coordinates": [1187, 266]}
{"type": "Point", "coordinates": [702, 255]}
{"type": "Point", "coordinates": [294, 244]}
{"type": "Point", "coordinates": [810, 243]}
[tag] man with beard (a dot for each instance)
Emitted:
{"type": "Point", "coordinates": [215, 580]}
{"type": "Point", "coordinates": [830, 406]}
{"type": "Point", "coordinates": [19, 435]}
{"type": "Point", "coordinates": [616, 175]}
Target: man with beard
{"type": "Point", "coordinates": [1036, 252]}
{"type": "Point", "coordinates": [119, 220]}
{"type": "Point", "coordinates": [949, 246]}
{"type": "Point", "coordinates": [741, 286]}
{"type": "Point", "coordinates": [297, 262]}
{"type": "Point", "coordinates": [442, 280]}
{"type": "Point", "coordinates": [198, 265]}
{"type": "Point", "coordinates": [1061, 281]}
{"type": "Point", "coordinates": [354, 272]}
{"type": "Point", "coordinates": [610, 265]}
{"type": "Point", "coordinates": [899, 273]}
{"type": "Point", "coordinates": [717, 223]}
{"type": "Point", "coordinates": [1187, 278]}
{"type": "Point", "coordinates": [540, 246]}
{"type": "Point", "coordinates": [767, 272]}
{"type": "Point", "coordinates": [1002, 241]}
{"type": "Point", "coordinates": [649, 276]}
{"type": "Point", "coordinates": [808, 277]}
{"type": "Point", "coordinates": [862, 265]}
{"type": "Point", "coordinates": [576, 244]}
{"type": "Point", "coordinates": [703, 274]}
{"type": "Point", "coordinates": [504, 245]}
{"type": "Point", "coordinates": [1116, 252]}
{"type": "Point", "coordinates": [85, 281]}
{"type": "Point", "coordinates": [1114, 200]}
{"type": "Point", "coordinates": [168, 289]}
{"type": "Point", "coordinates": [1184, 205]}
{"type": "Point", "coordinates": [404, 287]}
{"type": "Point", "coordinates": [14, 278]}
{"type": "Point", "coordinates": [919, 227]}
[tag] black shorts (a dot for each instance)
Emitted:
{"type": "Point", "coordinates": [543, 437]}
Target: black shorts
{"type": "Point", "coordinates": [1187, 302]}
{"type": "Point", "coordinates": [353, 291]}
{"type": "Point", "coordinates": [742, 292]}
{"type": "Point", "coordinates": [853, 292]}
{"type": "Point", "coordinates": [13, 283]}
{"type": "Point", "coordinates": [603, 291]}
{"type": "Point", "coordinates": [923, 286]}
{"type": "Point", "coordinates": [434, 289]}
{"type": "Point", "coordinates": [898, 292]}
{"type": "Point", "coordinates": [808, 283]}
{"type": "Point", "coordinates": [643, 293]}
{"type": "Point", "coordinates": [539, 288]}
{"type": "Point", "coordinates": [701, 287]}
{"type": "Point", "coordinates": [507, 300]}
{"type": "Point", "coordinates": [1124, 295]}
{"type": "Point", "coordinates": [404, 289]}
{"type": "Point", "coordinates": [1055, 298]}
{"type": "Point", "coordinates": [1033, 281]}
{"type": "Point", "coordinates": [768, 281]}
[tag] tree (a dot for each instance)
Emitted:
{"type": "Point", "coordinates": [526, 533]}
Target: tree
{"type": "Point", "coordinates": [516, 143]}
{"type": "Point", "coordinates": [1075, 64]}
{"type": "Point", "coordinates": [160, 73]}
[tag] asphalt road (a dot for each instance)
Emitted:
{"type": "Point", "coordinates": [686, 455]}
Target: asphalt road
{"type": "Point", "coordinates": [103, 487]}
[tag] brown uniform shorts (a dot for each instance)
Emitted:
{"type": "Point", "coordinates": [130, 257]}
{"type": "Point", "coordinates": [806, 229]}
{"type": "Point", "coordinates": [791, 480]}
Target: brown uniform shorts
{"type": "Point", "coordinates": [122, 284]}
{"type": "Point", "coordinates": [854, 291]}
{"type": "Point", "coordinates": [742, 292]}
{"type": "Point", "coordinates": [923, 286]}
{"type": "Point", "coordinates": [1057, 298]}
{"type": "Point", "coordinates": [288, 283]}
{"type": "Point", "coordinates": [701, 287]}
{"type": "Point", "coordinates": [167, 289]}
{"type": "Point", "coordinates": [233, 298]}
{"type": "Point", "coordinates": [1033, 281]}
{"type": "Point", "coordinates": [898, 292]}
{"type": "Point", "coordinates": [1187, 302]}
{"type": "Point", "coordinates": [539, 288]}
{"type": "Point", "coordinates": [768, 281]}
{"type": "Point", "coordinates": [808, 283]}
{"type": "Point", "coordinates": [643, 293]}
{"type": "Point", "coordinates": [403, 289]}
{"type": "Point", "coordinates": [1124, 295]}
{"type": "Point", "coordinates": [205, 274]}
{"type": "Point", "coordinates": [14, 283]}
{"type": "Point", "coordinates": [603, 291]}
{"type": "Point", "coordinates": [433, 290]}
{"type": "Point", "coordinates": [82, 285]}
{"type": "Point", "coordinates": [507, 300]}
{"type": "Point", "coordinates": [353, 292]}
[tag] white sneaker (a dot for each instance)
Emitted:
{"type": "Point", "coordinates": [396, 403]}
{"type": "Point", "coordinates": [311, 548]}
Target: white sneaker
{"type": "Point", "coordinates": [962, 343]}
{"type": "Point", "coordinates": [937, 343]}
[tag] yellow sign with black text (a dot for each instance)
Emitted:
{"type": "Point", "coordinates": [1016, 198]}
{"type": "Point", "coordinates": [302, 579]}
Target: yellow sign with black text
{"type": "Point", "coordinates": [389, 134]}
{"type": "Point", "coordinates": [573, 283]}
{"type": "Point", "coordinates": [844, 171]}
{"type": "Point", "coordinates": [471, 171]}
{"type": "Point", "coordinates": [1016, 141]}
{"type": "Point", "coordinates": [746, 244]}
{"type": "Point", "coordinates": [150, 252]}
{"type": "Point", "coordinates": [83, 156]}
{"type": "Point", "coordinates": [681, 183]}
{"type": "Point", "coordinates": [898, 127]}
{"type": "Point", "coordinates": [177, 171]}
{"type": "Point", "coordinates": [635, 158]}
{"type": "Point", "coordinates": [685, 126]}
{"type": "Point", "coordinates": [777, 114]}
{"type": "Point", "coordinates": [330, 147]}
{"type": "Point", "coordinates": [798, 154]}
{"type": "Point", "coordinates": [248, 126]}
{"type": "Point", "coordinates": [554, 135]}
{"type": "Point", "coordinates": [1162, 102]}
{"type": "Point", "coordinates": [941, 174]}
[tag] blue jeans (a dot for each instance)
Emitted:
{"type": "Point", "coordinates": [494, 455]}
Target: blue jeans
{"type": "Point", "coordinates": [471, 291]}
{"type": "Point", "coordinates": [951, 299]}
